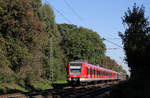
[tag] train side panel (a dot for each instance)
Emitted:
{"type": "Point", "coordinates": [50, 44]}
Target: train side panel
{"type": "Point", "coordinates": [84, 72]}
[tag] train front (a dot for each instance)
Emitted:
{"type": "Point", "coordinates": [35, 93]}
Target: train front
{"type": "Point", "coordinates": [74, 71]}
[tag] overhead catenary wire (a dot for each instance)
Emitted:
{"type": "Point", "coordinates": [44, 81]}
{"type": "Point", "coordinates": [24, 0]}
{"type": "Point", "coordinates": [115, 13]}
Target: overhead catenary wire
{"type": "Point", "coordinates": [72, 9]}
{"type": "Point", "coordinates": [113, 43]}
{"type": "Point", "coordinates": [78, 17]}
{"type": "Point", "coordinates": [59, 12]}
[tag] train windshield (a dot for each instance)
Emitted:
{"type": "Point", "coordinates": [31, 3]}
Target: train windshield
{"type": "Point", "coordinates": [75, 68]}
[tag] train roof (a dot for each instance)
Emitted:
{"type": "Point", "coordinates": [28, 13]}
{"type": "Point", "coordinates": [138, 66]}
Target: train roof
{"type": "Point", "coordinates": [93, 66]}
{"type": "Point", "coordinates": [102, 68]}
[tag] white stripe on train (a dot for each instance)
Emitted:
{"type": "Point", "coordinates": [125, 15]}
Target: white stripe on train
{"type": "Point", "coordinates": [97, 79]}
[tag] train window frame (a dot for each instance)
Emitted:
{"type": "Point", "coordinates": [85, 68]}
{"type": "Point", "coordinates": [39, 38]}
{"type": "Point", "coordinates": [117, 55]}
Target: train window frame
{"type": "Point", "coordinates": [75, 71]}
{"type": "Point", "coordinates": [92, 71]}
{"type": "Point", "coordinates": [88, 71]}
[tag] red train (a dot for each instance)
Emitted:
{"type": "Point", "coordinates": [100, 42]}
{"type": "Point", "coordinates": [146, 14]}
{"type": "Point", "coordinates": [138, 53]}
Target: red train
{"type": "Point", "coordinates": [81, 71]}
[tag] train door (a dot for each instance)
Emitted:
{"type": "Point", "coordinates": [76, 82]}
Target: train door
{"type": "Point", "coordinates": [94, 73]}
{"type": "Point", "coordinates": [97, 73]}
{"type": "Point", "coordinates": [91, 73]}
{"type": "Point", "coordinates": [100, 74]}
{"type": "Point", "coordinates": [103, 74]}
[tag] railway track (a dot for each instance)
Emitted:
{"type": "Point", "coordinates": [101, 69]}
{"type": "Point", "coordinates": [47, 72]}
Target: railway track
{"type": "Point", "coordinates": [68, 92]}
{"type": "Point", "coordinates": [85, 92]}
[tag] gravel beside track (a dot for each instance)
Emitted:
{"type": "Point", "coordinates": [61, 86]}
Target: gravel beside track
{"type": "Point", "coordinates": [66, 91]}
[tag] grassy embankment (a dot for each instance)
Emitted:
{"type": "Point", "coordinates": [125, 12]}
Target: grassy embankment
{"type": "Point", "coordinates": [25, 87]}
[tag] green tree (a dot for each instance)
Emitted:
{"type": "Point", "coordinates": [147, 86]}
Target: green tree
{"type": "Point", "coordinates": [135, 38]}
{"type": "Point", "coordinates": [137, 49]}
{"type": "Point", "coordinates": [53, 56]}
{"type": "Point", "coordinates": [35, 5]}
{"type": "Point", "coordinates": [81, 43]}
{"type": "Point", "coordinates": [23, 35]}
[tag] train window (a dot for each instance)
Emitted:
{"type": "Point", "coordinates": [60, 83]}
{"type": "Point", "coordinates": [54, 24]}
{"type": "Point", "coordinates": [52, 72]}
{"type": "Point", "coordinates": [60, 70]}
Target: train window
{"type": "Point", "coordinates": [88, 71]}
{"type": "Point", "coordinates": [92, 72]}
{"type": "Point", "coordinates": [75, 71]}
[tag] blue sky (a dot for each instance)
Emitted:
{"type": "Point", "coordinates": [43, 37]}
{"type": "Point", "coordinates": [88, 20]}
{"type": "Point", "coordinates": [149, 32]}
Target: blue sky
{"type": "Point", "coordinates": [102, 16]}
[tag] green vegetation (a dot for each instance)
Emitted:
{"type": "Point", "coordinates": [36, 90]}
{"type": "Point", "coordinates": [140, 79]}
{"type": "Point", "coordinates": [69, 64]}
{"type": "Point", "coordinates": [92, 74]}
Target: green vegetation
{"type": "Point", "coordinates": [81, 43]}
{"type": "Point", "coordinates": [34, 50]}
{"type": "Point", "coordinates": [136, 40]}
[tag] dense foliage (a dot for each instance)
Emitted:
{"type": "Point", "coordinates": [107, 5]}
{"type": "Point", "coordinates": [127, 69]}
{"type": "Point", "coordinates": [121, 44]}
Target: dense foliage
{"type": "Point", "coordinates": [29, 42]}
{"type": "Point", "coordinates": [34, 50]}
{"type": "Point", "coordinates": [81, 43]}
{"type": "Point", "coordinates": [112, 64]}
{"type": "Point", "coordinates": [22, 36]}
{"type": "Point", "coordinates": [136, 36]}
{"type": "Point", "coordinates": [136, 40]}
